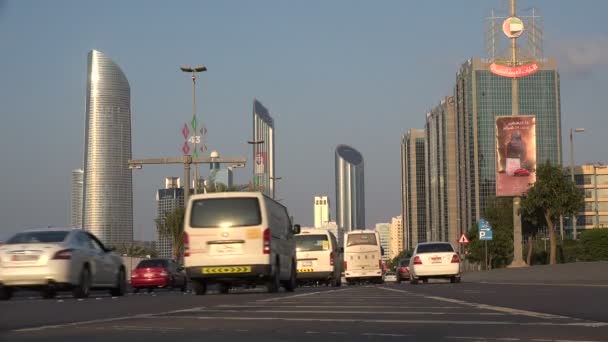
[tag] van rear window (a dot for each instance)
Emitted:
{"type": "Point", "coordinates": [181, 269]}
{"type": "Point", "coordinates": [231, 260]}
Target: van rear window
{"type": "Point", "coordinates": [361, 239]}
{"type": "Point", "coordinates": [225, 212]}
{"type": "Point", "coordinates": [311, 243]}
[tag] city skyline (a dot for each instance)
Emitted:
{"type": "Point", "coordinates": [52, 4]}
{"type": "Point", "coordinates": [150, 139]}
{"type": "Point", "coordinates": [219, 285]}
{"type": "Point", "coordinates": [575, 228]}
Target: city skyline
{"type": "Point", "coordinates": [311, 76]}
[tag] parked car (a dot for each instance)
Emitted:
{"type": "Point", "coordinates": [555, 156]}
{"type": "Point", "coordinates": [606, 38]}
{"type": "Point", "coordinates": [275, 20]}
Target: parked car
{"type": "Point", "coordinates": [390, 276]}
{"type": "Point", "coordinates": [434, 260]}
{"type": "Point", "coordinates": [403, 272]}
{"type": "Point", "coordinates": [158, 273]}
{"type": "Point", "coordinates": [59, 259]}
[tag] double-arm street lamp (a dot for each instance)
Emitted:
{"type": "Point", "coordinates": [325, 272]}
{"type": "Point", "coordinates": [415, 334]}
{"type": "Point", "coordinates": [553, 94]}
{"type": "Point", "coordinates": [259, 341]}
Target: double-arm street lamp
{"type": "Point", "coordinates": [572, 131]}
{"type": "Point", "coordinates": [194, 70]}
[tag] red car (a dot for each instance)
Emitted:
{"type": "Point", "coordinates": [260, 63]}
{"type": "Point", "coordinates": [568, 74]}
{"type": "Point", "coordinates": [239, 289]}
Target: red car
{"type": "Point", "coordinates": [158, 273]}
{"type": "Point", "coordinates": [403, 272]}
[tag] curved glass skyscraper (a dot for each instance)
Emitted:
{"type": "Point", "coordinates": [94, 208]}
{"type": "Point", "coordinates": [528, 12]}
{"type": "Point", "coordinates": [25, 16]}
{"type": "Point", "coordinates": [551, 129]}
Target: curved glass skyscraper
{"type": "Point", "coordinates": [108, 189]}
{"type": "Point", "coordinates": [350, 194]}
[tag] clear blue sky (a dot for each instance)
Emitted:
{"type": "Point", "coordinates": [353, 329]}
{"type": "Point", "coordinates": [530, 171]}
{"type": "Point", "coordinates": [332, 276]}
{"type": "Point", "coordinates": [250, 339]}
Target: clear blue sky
{"type": "Point", "coordinates": [331, 72]}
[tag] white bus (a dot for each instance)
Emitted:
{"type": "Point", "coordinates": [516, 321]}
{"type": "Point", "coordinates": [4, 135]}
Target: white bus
{"type": "Point", "coordinates": [363, 257]}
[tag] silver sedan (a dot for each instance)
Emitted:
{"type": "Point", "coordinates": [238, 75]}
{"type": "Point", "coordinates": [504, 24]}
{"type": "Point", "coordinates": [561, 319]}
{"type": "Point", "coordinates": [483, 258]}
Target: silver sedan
{"type": "Point", "coordinates": [59, 259]}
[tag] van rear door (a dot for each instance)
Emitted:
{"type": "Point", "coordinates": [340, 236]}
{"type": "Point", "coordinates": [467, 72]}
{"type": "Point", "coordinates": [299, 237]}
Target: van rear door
{"type": "Point", "coordinates": [313, 251]}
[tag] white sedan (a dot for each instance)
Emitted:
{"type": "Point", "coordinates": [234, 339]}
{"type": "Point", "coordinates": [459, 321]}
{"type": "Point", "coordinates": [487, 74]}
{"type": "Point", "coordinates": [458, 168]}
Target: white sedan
{"type": "Point", "coordinates": [55, 259]}
{"type": "Point", "coordinates": [434, 260]}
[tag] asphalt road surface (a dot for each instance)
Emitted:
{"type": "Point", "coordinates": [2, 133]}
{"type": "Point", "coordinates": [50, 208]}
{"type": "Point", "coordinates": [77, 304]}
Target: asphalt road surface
{"type": "Point", "coordinates": [436, 311]}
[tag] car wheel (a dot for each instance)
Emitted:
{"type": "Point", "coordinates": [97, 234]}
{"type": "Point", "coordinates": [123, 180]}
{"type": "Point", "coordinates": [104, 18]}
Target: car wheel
{"type": "Point", "coordinates": [121, 284]}
{"type": "Point", "coordinates": [136, 290]}
{"type": "Point", "coordinates": [5, 293]}
{"type": "Point", "coordinates": [224, 288]}
{"type": "Point", "coordinates": [275, 282]}
{"type": "Point", "coordinates": [184, 286]}
{"type": "Point", "coordinates": [83, 288]}
{"type": "Point", "coordinates": [291, 284]}
{"type": "Point", "coordinates": [413, 281]}
{"type": "Point", "coordinates": [150, 290]}
{"type": "Point", "coordinates": [49, 293]}
{"type": "Point", "coordinates": [199, 287]}
{"type": "Point", "coordinates": [398, 281]}
{"type": "Point", "coordinates": [425, 280]}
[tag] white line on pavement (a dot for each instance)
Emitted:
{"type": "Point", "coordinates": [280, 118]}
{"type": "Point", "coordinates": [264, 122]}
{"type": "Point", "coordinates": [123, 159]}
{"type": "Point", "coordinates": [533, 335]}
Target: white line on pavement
{"type": "Point", "coordinates": [418, 307]}
{"type": "Point", "coordinates": [299, 295]}
{"type": "Point", "coordinates": [357, 312]}
{"type": "Point", "coordinates": [540, 284]}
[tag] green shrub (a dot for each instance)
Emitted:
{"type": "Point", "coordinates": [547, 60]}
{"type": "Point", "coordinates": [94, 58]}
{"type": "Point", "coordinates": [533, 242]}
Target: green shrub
{"type": "Point", "coordinates": [593, 245]}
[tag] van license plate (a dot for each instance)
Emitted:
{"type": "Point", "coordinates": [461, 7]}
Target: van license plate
{"type": "Point", "coordinates": [306, 263]}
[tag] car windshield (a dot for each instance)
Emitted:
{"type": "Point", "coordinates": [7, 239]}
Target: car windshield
{"type": "Point", "coordinates": [361, 239]}
{"type": "Point", "coordinates": [152, 263]}
{"type": "Point", "coordinates": [38, 237]}
{"type": "Point", "coordinates": [434, 248]}
{"type": "Point", "coordinates": [404, 262]}
{"type": "Point", "coordinates": [310, 243]}
{"type": "Point", "coordinates": [225, 212]}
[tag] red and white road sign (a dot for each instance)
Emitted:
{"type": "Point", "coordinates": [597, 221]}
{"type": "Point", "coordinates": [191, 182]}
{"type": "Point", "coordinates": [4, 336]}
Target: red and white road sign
{"type": "Point", "coordinates": [463, 239]}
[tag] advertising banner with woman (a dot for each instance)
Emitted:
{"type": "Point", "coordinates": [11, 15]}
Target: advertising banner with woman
{"type": "Point", "coordinates": [515, 154]}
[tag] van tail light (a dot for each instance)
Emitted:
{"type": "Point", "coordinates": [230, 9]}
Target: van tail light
{"type": "Point", "coordinates": [64, 254]}
{"type": "Point", "coordinates": [455, 259]}
{"type": "Point", "coordinates": [345, 265]}
{"type": "Point", "coordinates": [186, 245]}
{"type": "Point", "coordinates": [331, 258]}
{"type": "Point", "coordinates": [417, 260]}
{"type": "Point", "coordinates": [380, 264]}
{"type": "Point", "coordinates": [267, 241]}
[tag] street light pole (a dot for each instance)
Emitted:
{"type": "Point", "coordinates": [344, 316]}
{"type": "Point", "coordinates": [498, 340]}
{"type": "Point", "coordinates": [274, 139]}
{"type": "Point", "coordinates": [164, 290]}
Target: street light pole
{"type": "Point", "coordinates": [256, 178]}
{"type": "Point", "coordinates": [273, 179]}
{"type": "Point", "coordinates": [575, 216]}
{"type": "Point", "coordinates": [194, 70]}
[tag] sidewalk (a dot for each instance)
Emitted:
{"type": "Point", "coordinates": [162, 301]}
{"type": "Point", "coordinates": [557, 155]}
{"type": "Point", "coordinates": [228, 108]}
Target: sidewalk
{"type": "Point", "coordinates": [578, 273]}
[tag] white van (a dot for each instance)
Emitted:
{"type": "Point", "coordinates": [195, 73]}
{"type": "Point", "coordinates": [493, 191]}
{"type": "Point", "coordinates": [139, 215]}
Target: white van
{"type": "Point", "coordinates": [319, 257]}
{"type": "Point", "coordinates": [239, 238]}
{"type": "Point", "coordinates": [363, 257]}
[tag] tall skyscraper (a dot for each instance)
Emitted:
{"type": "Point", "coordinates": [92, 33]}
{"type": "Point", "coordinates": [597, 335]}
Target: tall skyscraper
{"type": "Point", "coordinates": [167, 199]}
{"type": "Point", "coordinates": [396, 234]}
{"type": "Point", "coordinates": [480, 96]}
{"type": "Point", "coordinates": [413, 187]}
{"type": "Point", "coordinates": [263, 149]}
{"type": "Point", "coordinates": [441, 194]}
{"type": "Point", "coordinates": [350, 189]}
{"type": "Point", "coordinates": [321, 211]}
{"type": "Point", "coordinates": [76, 204]}
{"type": "Point", "coordinates": [384, 230]}
{"type": "Point", "coordinates": [108, 189]}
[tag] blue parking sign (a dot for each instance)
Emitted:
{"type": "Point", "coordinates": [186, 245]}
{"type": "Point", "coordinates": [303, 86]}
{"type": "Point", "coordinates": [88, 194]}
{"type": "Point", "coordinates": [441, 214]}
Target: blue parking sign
{"type": "Point", "coordinates": [485, 235]}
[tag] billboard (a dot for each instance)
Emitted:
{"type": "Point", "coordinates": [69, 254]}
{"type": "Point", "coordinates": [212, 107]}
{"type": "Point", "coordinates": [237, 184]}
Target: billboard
{"type": "Point", "coordinates": [260, 163]}
{"type": "Point", "coordinates": [515, 154]}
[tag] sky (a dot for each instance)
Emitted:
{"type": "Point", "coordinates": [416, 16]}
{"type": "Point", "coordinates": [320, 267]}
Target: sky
{"type": "Point", "coordinates": [359, 73]}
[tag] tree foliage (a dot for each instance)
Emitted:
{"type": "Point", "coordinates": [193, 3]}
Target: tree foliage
{"type": "Point", "coordinates": [171, 226]}
{"type": "Point", "coordinates": [392, 264]}
{"type": "Point", "coordinates": [593, 245]}
{"type": "Point", "coordinates": [135, 250]}
{"type": "Point", "coordinates": [554, 195]}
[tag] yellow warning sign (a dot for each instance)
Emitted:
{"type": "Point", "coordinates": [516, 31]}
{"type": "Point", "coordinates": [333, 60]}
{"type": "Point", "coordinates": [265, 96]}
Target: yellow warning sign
{"type": "Point", "coordinates": [325, 245]}
{"type": "Point", "coordinates": [226, 269]}
{"type": "Point", "coordinates": [305, 270]}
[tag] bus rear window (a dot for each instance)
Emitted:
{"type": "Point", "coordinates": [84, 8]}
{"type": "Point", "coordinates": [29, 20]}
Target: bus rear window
{"type": "Point", "coordinates": [225, 212]}
{"type": "Point", "coordinates": [310, 243]}
{"type": "Point", "coordinates": [361, 239]}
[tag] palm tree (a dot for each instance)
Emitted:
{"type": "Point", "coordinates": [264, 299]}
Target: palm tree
{"type": "Point", "coordinates": [213, 186]}
{"type": "Point", "coordinates": [171, 226]}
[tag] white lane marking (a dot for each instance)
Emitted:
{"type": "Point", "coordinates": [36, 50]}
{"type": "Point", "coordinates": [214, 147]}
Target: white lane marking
{"type": "Point", "coordinates": [405, 313]}
{"type": "Point", "coordinates": [546, 340]}
{"type": "Point", "coordinates": [386, 335]}
{"type": "Point", "coordinates": [298, 295]}
{"type": "Point", "coordinates": [482, 338]}
{"type": "Point", "coordinates": [341, 306]}
{"type": "Point", "coordinates": [397, 321]}
{"type": "Point", "coordinates": [105, 320]}
{"type": "Point", "coordinates": [539, 284]}
{"type": "Point", "coordinates": [495, 308]}
{"type": "Point", "coordinates": [145, 328]}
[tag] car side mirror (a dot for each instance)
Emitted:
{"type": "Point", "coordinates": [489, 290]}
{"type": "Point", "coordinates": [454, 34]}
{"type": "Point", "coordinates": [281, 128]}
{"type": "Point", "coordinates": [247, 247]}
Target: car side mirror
{"type": "Point", "coordinates": [110, 249]}
{"type": "Point", "coordinates": [296, 229]}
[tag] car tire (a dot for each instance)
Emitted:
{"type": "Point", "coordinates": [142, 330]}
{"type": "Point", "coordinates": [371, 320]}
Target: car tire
{"type": "Point", "coordinates": [274, 283]}
{"type": "Point", "coordinates": [292, 282]}
{"type": "Point", "coordinates": [184, 286]}
{"type": "Point", "coordinates": [49, 293]}
{"type": "Point", "coordinates": [121, 284]}
{"type": "Point", "coordinates": [224, 288]}
{"type": "Point", "coordinates": [136, 290]}
{"type": "Point", "coordinates": [425, 280]}
{"type": "Point", "coordinates": [398, 281]}
{"type": "Point", "coordinates": [83, 288]}
{"type": "Point", "coordinates": [413, 281]}
{"type": "Point", "coordinates": [5, 293]}
{"type": "Point", "coordinates": [199, 287]}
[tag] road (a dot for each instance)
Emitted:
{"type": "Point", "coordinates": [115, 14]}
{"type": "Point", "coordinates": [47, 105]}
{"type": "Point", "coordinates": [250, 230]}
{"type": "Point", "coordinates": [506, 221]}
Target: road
{"type": "Point", "coordinates": [436, 311]}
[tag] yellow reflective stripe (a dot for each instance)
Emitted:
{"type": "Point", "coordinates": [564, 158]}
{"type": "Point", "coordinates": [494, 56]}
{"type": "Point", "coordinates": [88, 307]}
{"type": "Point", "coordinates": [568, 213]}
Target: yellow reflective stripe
{"type": "Point", "coordinates": [226, 269]}
{"type": "Point", "coordinates": [304, 270]}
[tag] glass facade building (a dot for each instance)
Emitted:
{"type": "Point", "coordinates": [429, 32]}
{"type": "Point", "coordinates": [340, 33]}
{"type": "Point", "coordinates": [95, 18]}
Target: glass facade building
{"type": "Point", "coordinates": [384, 231]}
{"type": "Point", "coordinates": [108, 190]}
{"type": "Point", "coordinates": [350, 189]}
{"type": "Point", "coordinates": [480, 96]}
{"type": "Point", "coordinates": [263, 150]}
{"type": "Point", "coordinates": [413, 188]}
{"type": "Point", "coordinates": [167, 199]}
{"type": "Point", "coordinates": [76, 202]}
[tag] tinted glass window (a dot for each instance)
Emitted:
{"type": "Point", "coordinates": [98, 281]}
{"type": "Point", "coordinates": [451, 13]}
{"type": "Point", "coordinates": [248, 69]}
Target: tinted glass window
{"type": "Point", "coordinates": [38, 237]}
{"type": "Point", "coordinates": [404, 262]}
{"type": "Point", "coordinates": [152, 263]}
{"type": "Point", "coordinates": [361, 239]}
{"type": "Point", "coordinates": [434, 248]}
{"type": "Point", "coordinates": [308, 243]}
{"type": "Point", "coordinates": [225, 212]}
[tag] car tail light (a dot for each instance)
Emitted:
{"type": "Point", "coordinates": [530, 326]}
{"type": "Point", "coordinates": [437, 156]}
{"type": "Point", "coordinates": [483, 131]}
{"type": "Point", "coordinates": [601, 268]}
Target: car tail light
{"type": "Point", "coordinates": [266, 241]}
{"type": "Point", "coordinates": [455, 259]}
{"type": "Point", "coordinates": [331, 258]}
{"type": "Point", "coordinates": [163, 273]}
{"type": "Point", "coordinates": [417, 260]}
{"type": "Point", "coordinates": [345, 265]}
{"type": "Point", "coordinates": [380, 264]}
{"type": "Point", "coordinates": [64, 254]}
{"type": "Point", "coordinates": [186, 245]}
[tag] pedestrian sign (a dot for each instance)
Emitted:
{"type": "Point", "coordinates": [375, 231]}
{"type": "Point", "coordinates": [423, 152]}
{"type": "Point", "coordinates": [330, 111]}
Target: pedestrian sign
{"type": "Point", "coordinates": [463, 239]}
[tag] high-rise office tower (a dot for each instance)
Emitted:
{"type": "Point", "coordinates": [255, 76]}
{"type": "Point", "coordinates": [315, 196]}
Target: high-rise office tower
{"type": "Point", "coordinates": [108, 189]}
{"type": "Point", "coordinates": [480, 96]}
{"type": "Point", "coordinates": [396, 234]}
{"type": "Point", "coordinates": [441, 194]}
{"type": "Point", "coordinates": [76, 203]}
{"type": "Point", "coordinates": [413, 175]}
{"type": "Point", "coordinates": [350, 189]}
{"type": "Point", "coordinates": [384, 231]}
{"type": "Point", "coordinates": [321, 211]}
{"type": "Point", "coordinates": [167, 199]}
{"type": "Point", "coordinates": [263, 150]}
